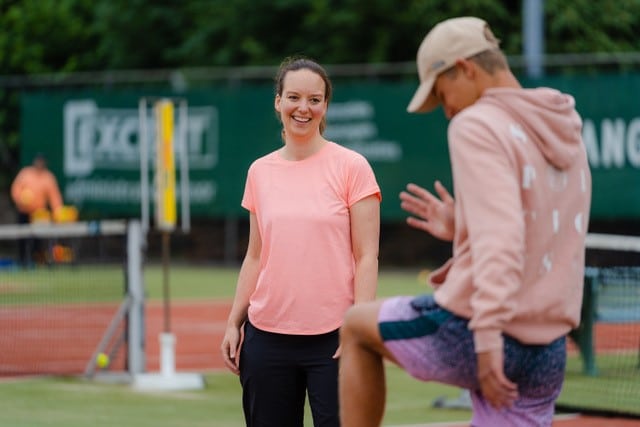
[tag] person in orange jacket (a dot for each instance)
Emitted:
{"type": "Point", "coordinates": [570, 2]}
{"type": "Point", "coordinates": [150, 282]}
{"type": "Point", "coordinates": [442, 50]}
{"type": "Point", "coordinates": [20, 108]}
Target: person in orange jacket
{"type": "Point", "coordinates": [34, 189]}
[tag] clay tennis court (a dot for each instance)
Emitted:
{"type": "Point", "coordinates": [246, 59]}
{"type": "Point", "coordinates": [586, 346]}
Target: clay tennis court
{"type": "Point", "coordinates": [198, 327]}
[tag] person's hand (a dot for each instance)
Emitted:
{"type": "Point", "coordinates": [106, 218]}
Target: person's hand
{"type": "Point", "coordinates": [338, 352]}
{"type": "Point", "coordinates": [494, 385]}
{"type": "Point", "coordinates": [431, 214]}
{"type": "Point", "coordinates": [230, 348]}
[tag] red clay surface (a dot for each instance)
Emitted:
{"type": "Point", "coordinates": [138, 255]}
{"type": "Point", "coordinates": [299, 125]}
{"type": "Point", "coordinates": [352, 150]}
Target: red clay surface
{"type": "Point", "coordinates": [198, 328]}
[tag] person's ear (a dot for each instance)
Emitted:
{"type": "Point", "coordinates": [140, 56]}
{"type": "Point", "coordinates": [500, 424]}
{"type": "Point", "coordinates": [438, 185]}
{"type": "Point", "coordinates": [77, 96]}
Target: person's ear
{"type": "Point", "coordinates": [276, 103]}
{"type": "Point", "coordinates": [467, 67]}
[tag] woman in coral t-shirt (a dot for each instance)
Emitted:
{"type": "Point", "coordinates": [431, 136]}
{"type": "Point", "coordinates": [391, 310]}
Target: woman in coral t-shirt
{"type": "Point", "coordinates": [313, 251]}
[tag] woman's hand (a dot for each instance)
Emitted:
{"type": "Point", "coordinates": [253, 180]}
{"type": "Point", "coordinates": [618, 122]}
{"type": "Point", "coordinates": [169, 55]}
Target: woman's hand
{"type": "Point", "coordinates": [230, 348]}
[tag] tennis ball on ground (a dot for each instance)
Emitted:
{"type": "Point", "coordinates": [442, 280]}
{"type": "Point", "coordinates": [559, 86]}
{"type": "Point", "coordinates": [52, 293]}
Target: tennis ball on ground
{"type": "Point", "coordinates": [102, 360]}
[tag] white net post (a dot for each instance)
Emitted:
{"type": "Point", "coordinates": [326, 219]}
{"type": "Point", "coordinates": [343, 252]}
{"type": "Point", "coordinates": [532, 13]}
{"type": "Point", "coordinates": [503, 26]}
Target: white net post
{"type": "Point", "coordinates": [183, 126]}
{"type": "Point", "coordinates": [144, 164]}
{"type": "Point", "coordinates": [136, 293]}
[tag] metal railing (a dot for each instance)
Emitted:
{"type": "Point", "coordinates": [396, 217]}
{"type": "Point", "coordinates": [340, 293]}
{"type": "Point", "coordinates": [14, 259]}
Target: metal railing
{"type": "Point", "coordinates": [180, 77]}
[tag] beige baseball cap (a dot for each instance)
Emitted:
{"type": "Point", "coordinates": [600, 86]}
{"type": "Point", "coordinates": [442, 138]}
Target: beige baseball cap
{"type": "Point", "coordinates": [447, 42]}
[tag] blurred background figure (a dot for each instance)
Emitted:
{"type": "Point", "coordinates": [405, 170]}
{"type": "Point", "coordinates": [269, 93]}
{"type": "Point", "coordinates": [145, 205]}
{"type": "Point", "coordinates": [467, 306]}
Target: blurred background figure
{"type": "Point", "coordinates": [36, 194]}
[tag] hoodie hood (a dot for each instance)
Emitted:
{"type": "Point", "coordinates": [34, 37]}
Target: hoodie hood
{"type": "Point", "coordinates": [550, 118]}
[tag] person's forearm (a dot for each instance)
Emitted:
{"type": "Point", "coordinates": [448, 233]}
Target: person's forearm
{"type": "Point", "coordinates": [245, 286]}
{"type": "Point", "coordinates": [366, 279]}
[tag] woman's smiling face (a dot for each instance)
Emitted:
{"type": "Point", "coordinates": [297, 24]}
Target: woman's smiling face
{"type": "Point", "coordinates": [302, 104]}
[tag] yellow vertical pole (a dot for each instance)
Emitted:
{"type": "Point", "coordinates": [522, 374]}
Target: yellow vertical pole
{"type": "Point", "coordinates": [165, 192]}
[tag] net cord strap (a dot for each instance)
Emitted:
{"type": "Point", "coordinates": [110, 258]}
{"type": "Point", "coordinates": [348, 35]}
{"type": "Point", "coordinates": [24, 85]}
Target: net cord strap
{"type": "Point", "coordinates": [53, 230]}
{"type": "Point", "coordinates": [613, 242]}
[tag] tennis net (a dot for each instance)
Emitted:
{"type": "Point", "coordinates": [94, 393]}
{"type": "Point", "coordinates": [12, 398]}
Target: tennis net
{"type": "Point", "coordinates": [73, 297]}
{"type": "Point", "coordinates": [603, 368]}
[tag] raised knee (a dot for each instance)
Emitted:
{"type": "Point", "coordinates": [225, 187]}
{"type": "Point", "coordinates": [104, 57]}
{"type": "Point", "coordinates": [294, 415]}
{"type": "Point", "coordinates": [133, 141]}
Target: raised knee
{"type": "Point", "coordinates": [350, 320]}
{"type": "Point", "coordinates": [360, 322]}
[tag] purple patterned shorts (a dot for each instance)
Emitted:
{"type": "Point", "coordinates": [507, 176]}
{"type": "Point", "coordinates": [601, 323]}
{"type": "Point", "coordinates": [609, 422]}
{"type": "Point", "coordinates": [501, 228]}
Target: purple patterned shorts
{"type": "Point", "coordinates": [433, 344]}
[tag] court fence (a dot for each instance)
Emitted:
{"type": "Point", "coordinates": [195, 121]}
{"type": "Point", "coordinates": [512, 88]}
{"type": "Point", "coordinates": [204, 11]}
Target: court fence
{"type": "Point", "coordinates": [603, 369]}
{"type": "Point", "coordinates": [77, 306]}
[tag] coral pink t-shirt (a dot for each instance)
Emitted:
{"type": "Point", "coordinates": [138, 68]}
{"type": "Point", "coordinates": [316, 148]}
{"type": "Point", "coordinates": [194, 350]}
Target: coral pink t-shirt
{"type": "Point", "coordinates": [306, 280]}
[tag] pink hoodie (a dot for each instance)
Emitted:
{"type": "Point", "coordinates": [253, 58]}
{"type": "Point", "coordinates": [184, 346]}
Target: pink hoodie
{"type": "Point", "coordinates": [523, 194]}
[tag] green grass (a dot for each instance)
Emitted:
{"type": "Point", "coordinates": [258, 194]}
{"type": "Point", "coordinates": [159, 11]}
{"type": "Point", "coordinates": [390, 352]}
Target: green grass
{"type": "Point", "coordinates": [615, 388]}
{"type": "Point", "coordinates": [187, 282]}
{"type": "Point", "coordinates": [72, 402]}
{"type": "Point", "coordinates": [62, 284]}
{"type": "Point", "coordinates": [106, 283]}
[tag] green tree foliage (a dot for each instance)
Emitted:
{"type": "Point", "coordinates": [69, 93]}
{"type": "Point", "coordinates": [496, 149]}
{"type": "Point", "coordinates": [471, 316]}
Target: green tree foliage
{"type": "Point", "coordinates": [583, 26]}
{"type": "Point", "coordinates": [258, 32]}
{"type": "Point", "coordinates": [136, 34]}
{"type": "Point", "coordinates": [46, 36]}
{"type": "Point", "coordinates": [38, 37]}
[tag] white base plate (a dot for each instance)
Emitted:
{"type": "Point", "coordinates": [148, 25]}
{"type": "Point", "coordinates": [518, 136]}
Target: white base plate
{"type": "Point", "coordinates": [160, 382]}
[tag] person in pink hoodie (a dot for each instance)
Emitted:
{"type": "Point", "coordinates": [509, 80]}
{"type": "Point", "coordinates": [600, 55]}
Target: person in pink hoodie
{"type": "Point", "coordinates": [497, 321]}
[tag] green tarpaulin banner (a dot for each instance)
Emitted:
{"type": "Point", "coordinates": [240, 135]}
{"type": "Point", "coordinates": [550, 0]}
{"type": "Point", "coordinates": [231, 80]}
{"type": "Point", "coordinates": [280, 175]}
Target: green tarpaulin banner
{"type": "Point", "coordinates": [91, 138]}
